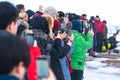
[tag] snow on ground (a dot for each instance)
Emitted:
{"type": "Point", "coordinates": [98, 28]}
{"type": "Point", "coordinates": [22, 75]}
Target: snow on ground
{"type": "Point", "coordinates": [102, 73]}
{"type": "Point", "coordinates": [95, 70]}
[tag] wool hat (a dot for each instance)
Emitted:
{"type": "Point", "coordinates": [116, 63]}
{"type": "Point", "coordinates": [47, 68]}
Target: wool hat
{"type": "Point", "coordinates": [50, 11]}
{"type": "Point", "coordinates": [76, 25]}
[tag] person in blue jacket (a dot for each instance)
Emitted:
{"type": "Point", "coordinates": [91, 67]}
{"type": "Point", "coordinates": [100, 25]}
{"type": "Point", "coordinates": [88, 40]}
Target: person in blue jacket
{"type": "Point", "coordinates": [64, 61]}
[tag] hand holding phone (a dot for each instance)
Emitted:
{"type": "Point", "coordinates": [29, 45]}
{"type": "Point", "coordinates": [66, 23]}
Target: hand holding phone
{"type": "Point", "coordinates": [51, 76]}
{"type": "Point", "coordinates": [42, 67]}
{"type": "Point", "coordinates": [91, 31]}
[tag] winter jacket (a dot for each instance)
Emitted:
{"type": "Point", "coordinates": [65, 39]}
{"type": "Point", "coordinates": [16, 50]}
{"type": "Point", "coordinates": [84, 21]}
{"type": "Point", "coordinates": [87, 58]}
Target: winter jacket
{"type": "Point", "coordinates": [100, 27]}
{"type": "Point", "coordinates": [32, 69]}
{"type": "Point", "coordinates": [8, 77]}
{"type": "Point", "coordinates": [81, 44]}
{"type": "Point", "coordinates": [105, 31]}
{"type": "Point", "coordinates": [58, 52]}
{"type": "Point", "coordinates": [113, 42]}
{"type": "Point", "coordinates": [23, 25]}
{"type": "Point", "coordinates": [65, 64]}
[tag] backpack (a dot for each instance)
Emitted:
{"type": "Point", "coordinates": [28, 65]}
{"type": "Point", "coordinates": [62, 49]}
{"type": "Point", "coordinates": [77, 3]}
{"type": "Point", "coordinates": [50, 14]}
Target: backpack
{"type": "Point", "coordinates": [44, 41]}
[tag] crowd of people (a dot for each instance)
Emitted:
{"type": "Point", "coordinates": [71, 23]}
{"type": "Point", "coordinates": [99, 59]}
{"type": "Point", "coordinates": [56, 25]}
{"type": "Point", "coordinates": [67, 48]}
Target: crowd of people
{"type": "Point", "coordinates": [64, 38]}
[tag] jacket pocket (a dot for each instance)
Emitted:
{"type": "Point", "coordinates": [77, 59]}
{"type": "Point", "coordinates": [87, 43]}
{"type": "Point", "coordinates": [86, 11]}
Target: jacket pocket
{"type": "Point", "coordinates": [80, 63]}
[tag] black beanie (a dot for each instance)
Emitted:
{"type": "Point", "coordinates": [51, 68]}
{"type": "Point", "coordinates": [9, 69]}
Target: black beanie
{"type": "Point", "coordinates": [30, 13]}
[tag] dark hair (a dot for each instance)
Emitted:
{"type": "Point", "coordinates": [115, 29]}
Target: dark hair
{"type": "Point", "coordinates": [39, 23]}
{"type": "Point", "coordinates": [19, 7]}
{"type": "Point", "coordinates": [30, 13]}
{"type": "Point", "coordinates": [84, 15]}
{"type": "Point", "coordinates": [61, 14]}
{"type": "Point", "coordinates": [92, 18]}
{"type": "Point", "coordinates": [73, 16]}
{"type": "Point", "coordinates": [8, 14]}
{"type": "Point", "coordinates": [104, 21]}
{"type": "Point", "coordinates": [13, 50]}
{"type": "Point", "coordinates": [97, 16]}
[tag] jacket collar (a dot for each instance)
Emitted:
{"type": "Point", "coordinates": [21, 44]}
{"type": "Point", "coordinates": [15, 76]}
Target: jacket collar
{"type": "Point", "coordinates": [7, 77]}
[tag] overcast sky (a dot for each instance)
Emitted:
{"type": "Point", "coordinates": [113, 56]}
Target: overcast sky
{"type": "Point", "coordinates": [106, 9]}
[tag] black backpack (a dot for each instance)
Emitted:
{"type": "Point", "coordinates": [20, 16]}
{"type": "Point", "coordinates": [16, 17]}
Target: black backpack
{"type": "Point", "coordinates": [44, 41]}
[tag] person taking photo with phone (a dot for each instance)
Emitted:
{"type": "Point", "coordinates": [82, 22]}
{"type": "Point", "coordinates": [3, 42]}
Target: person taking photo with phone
{"type": "Point", "coordinates": [82, 42]}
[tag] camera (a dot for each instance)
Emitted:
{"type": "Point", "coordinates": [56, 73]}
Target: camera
{"type": "Point", "coordinates": [61, 30]}
{"type": "Point", "coordinates": [66, 39]}
{"type": "Point", "coordinates": [86, 29]}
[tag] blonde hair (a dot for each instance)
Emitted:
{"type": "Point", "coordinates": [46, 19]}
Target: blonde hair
{"type": "Point", "coordinates": [50, 21]}
{"type": "Point", "coordinates": [22, 15]}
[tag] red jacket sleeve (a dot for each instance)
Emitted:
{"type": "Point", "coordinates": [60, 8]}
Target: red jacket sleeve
{"type": "Point", "coordinates": [32, 69]}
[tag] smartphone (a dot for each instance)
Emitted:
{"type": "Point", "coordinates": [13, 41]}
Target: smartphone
{"type": "Point", "coordinates": [30, 39]}
{"type": "Point", "coordinates": [42, 67]}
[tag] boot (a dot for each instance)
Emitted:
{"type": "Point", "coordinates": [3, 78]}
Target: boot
{"type": "Point", "coordinates": [91, 53]}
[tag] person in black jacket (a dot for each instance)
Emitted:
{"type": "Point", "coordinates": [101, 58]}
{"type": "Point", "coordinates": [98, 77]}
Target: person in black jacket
{"type": "Point", "coordinates": [57, 51]}
{"type": "Point", "coordinates": [113, 41]}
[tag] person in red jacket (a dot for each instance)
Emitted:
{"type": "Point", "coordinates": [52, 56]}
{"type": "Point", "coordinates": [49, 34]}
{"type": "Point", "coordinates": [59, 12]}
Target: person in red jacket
{"type": "Point", "coordinates": [100, 33]}
{"type": "Point", "coordinates": [32, 69]}
{"type": "Point", "coordinates": [99, 25]}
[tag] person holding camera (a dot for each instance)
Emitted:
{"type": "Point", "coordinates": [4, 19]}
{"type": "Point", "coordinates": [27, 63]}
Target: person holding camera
{"type": "Point", "coordinates": [82, 42]}
{"type": "Point", "coordinates": [58, 52]}
{"type": "Point", "coordinates": [66, 37]}
{"type": "Point", "coordinates": [41, 26]}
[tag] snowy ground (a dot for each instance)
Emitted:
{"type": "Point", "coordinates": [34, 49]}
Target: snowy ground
{"type": "Point", "coordinates": [95, 70]}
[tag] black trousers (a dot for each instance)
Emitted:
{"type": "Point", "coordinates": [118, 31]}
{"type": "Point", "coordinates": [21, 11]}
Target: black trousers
{"type": "Point", "coordinates": [77, 75]}
{"type": "Point", "coordinates": [99, 37]}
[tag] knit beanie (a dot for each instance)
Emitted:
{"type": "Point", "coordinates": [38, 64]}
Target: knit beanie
{"type": "Point", "coordinates": [76, 25]}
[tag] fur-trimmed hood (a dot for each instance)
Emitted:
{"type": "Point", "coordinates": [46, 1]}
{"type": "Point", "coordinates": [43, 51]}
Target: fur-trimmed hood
{"type": "Point", "coordinates": [24, 23]}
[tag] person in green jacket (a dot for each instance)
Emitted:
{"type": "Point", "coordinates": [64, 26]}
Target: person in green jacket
{"type": "Point", "coordinates": [82, 42]}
